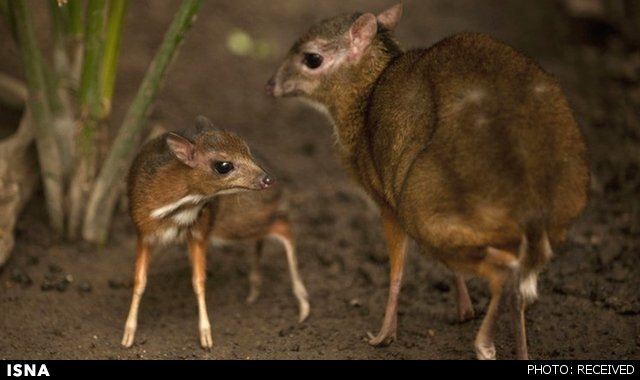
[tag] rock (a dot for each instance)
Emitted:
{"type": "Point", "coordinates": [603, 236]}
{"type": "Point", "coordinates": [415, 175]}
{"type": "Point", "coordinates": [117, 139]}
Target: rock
{"type": "Point", "coordinates": [19, 277]}
{"type": "Point", "coordinates": [47, 285]}
{"type": "Point", "coordinates": [84, 287]}
{"type": "Point", "coordinates": [61, 286]}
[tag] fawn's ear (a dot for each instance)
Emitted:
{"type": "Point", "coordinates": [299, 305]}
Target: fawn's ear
{"type": "Point", "coordinates": [362, 33]}
{"type": "Point", "coordinates": [390, 17]}
{"type": "Point", "coordinates": [204, 124]}
{"type": "Point", "coordinates": [182, 149]}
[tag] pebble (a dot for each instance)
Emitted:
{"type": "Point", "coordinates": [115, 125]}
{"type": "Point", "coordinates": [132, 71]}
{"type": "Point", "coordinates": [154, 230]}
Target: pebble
{"type": "Point", "coordinates": [85, 287]}
{"type": "Point", "coordinates": [55, 280]}
{"type": "Point", "coordinates": [61, 286]}
{"type": "Point", "coordinates": [47, 285]}
{"type": "Point", "coordinates": [19, 277]}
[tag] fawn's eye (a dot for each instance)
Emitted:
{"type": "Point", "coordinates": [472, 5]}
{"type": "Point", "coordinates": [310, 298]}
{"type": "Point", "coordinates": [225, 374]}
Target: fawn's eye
{"type": "Point", "coordinates": [223, 167]}
{"type": "Point", "coordinates": [312, 60]}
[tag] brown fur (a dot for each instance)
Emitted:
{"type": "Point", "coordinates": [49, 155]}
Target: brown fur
{"type": "Point", "coordinates": [174, 194]}
{"type": "Point", "coordinates": [469, 145]}
{"type": "Point", "coordinates": [158, 178]}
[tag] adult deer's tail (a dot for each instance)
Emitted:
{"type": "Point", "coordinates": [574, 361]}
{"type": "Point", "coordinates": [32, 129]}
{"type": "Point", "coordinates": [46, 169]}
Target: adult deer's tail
{"type": "Point", "coordinates": [535, 252]}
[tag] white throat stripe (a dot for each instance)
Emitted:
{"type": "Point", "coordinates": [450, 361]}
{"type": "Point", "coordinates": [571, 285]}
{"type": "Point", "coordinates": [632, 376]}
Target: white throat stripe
{"type": "Point", "coordinates": [163, 211]}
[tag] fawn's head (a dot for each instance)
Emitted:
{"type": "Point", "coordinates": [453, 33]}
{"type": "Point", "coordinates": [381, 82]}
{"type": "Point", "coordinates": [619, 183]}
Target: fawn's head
{"type": "Point", "coordinates": [334, 52]}
{"type": "Point", "coordinates": [218, 162]}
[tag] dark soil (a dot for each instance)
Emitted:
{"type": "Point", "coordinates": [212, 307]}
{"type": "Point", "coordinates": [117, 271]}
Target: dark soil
{"type": "Point", "coordinates": [70, 300]}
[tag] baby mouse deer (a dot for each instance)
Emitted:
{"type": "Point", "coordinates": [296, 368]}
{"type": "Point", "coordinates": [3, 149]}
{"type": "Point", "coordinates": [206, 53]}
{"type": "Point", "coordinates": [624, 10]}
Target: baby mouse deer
{"type": "Point", "coordinates": [468, 147]}
{"type": "Point", "coordinates": [180, 187]}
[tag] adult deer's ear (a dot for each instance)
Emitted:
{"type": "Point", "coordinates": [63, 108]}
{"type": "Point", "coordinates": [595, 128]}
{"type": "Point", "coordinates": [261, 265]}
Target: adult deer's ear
{"type": "Point", "coordinates": [362, 33]}
{"type": "Point", "coordinates": [390, 17]}
{"type": "Point", "coordinates": [182, 149]}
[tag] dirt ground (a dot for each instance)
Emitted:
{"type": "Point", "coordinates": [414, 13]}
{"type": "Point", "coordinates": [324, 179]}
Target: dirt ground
{"type": "Point", "coordinates": [68, 300]}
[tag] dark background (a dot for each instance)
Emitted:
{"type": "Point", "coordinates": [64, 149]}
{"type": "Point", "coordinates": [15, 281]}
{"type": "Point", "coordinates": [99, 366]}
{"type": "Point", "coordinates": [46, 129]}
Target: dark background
{"type": "Point", "coordinates": [589, 299]}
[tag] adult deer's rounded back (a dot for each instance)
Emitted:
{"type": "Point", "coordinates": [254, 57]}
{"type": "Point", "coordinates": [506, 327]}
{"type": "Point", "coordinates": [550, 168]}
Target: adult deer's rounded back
{"type": "Point", "coordinates": [468, 147]}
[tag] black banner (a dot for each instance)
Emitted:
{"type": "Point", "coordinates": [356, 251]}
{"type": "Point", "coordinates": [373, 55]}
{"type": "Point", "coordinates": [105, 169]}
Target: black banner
{"type": "Point", "coordinates": [58, 369]}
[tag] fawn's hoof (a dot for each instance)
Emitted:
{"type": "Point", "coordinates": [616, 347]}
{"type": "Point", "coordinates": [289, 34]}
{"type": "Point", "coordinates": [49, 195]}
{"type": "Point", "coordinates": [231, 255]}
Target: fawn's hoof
{"type": "Point", "coordinates": [466, 314]}
{"type": "Point", "coordinates": [205, 338]}
{"type": "Point", "coordinates": [486, 351]}
{"type": "Point", "coordinates": [128, 337]}
{"type": "Point", "coordinates": [305, 309]}
{"type": "Point", "coordinates": [382, 339]}
{"type": "Point", "coordinates": [253, 296]}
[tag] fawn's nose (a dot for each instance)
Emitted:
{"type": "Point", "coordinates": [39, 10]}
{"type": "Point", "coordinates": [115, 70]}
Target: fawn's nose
{"type": "Point", "coordinates": [267, 182]}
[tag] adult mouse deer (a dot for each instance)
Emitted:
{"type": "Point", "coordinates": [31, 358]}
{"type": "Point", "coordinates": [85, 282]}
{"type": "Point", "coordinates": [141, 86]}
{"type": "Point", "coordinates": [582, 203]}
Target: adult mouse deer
{"type": "Point", "coordinates": [468, 147]}
{"type": "Point", "coordinates": [192, 186]}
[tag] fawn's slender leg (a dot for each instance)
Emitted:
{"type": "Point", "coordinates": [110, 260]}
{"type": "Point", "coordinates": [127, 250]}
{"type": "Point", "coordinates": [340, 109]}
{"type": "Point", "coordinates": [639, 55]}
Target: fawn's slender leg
{"type": "Point", "coordinates": [396, 240]}
{"type": "Point", "coordinates": [255, 278]}
{"type": "Point", "coordinates": [465, 308]}
{"type": "Point", "coordinates": [139, 284]}
{"type": "Point", "coordinates": [498, 267]}
{"type": "Point", "coordinates": [281, 230]}
{"type": "Point", "coordinates": [516, 314]}
{"type": "Point", "coordinates": [198, 255]}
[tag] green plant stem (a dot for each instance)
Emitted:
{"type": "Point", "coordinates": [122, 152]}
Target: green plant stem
{"type": "Point", "coordinates": [90, 107]}
{"type": "Point", "coordinates": [89, 92]}
{"type": "Point", "coordinates": [58, 82]}
{"type": "Point", "coordinates": [111, 50]}
{"type": "Point", "coordinates": [109, 182]}
{"type": "Point", "coordinates": [59, 20]}
{"type": "Point", "coordinates": [38, 105]}
{"type": "Point", "coordinates": [75, 27]}
{"type": "Point", "coordinates": [75, 40]}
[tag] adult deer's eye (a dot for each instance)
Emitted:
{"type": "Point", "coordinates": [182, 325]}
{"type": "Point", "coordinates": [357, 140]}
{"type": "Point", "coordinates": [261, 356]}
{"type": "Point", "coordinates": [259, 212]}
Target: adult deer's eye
{"type": "Point", "coordinates": [312, 60]}
{"type": "Point", "coordinates": [223, 167]}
